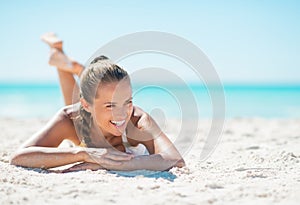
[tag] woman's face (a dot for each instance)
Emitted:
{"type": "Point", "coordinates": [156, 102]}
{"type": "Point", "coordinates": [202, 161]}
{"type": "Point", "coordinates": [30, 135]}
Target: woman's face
{"type": "Point", "coordinates": [112, 107]}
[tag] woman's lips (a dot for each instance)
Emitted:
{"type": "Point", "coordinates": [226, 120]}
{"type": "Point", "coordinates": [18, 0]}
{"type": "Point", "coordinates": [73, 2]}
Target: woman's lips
{"type": "Point", "coordinates": [119, 123]}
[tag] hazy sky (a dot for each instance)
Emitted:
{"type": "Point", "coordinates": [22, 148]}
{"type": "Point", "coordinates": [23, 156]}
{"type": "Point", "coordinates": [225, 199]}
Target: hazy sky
{"type": "Point", "coordinates": [247, 41]}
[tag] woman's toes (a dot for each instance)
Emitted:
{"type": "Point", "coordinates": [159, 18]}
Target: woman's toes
{"type": "Point", "coordinates": [52, 40]}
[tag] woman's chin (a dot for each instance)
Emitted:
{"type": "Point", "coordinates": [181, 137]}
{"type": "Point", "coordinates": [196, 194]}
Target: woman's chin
{"type": "Point", "coordinates": [118, 130]}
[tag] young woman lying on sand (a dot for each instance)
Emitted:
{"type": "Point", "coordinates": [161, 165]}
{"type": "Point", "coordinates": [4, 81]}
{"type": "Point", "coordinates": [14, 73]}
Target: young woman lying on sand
{"type": "Point", "coordinates": [107, 130]}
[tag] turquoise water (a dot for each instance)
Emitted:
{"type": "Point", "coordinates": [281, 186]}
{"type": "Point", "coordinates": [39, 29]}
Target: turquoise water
{"type": "Point", "coordinates": [268, 101]}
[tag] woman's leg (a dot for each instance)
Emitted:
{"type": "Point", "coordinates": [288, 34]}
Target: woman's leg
{"type": "Point", "coordinates": [67, 85]}
{"type": "Point", "coordinates": [66, 67]}
{"type": "Point", "coordinates": [66, 75]}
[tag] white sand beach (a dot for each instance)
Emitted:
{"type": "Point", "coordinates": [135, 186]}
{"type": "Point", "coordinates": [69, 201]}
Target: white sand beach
{"type": "Point", "coordinates": [257, 161]}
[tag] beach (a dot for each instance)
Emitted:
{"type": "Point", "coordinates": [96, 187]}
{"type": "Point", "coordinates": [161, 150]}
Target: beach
{"type": "Point", "coordinates": [257, 160]}
{"type": "Point", "coordinates": [191, 65]}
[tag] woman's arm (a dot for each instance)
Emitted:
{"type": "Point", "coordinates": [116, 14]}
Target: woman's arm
{"type": "Point", "coordinates": [153, 162]}
{"type": "Point", "coordinates": [163, 153]}
{"type": "Point", "coordinates": [46, 157]}
{"type": "Point", "coordinates": [42, 151]}
{"type": "Point", "coordinates": [163, 156]}
{"type": "Point", "coordinates": [49, 157]}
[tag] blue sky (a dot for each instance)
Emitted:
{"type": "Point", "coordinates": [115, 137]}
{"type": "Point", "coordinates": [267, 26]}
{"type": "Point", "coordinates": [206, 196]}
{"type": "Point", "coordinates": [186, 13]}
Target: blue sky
{"type": "Point", "coordinates": [247, 41]}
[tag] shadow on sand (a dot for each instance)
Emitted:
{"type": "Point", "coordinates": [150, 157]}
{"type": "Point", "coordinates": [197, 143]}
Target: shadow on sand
{"type": "Point", "coordinates": [145, 173]}
{"type": "Point", "coordinates": [136, 173]}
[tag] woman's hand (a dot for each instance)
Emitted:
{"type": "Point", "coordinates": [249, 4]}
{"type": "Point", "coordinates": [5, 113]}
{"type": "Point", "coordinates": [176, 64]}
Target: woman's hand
{"type": "Point", "coordinates": [142, 126]}
{"type": "Point", "coordinates": [106, 156]}
{"type": "Point", "coordinates": [83, 166]}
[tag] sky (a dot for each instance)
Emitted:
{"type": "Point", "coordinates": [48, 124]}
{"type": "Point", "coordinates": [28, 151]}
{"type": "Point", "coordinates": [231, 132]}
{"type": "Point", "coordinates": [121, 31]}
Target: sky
{"type": "Point", "coordinates": [249, 41]}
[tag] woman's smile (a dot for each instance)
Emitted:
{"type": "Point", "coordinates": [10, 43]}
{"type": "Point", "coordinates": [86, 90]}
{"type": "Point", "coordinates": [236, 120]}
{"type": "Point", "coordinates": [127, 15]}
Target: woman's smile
{"type": "Point", "coordinates": [113, 107]}
{"type": "Point", "coordinates": [119, 125]}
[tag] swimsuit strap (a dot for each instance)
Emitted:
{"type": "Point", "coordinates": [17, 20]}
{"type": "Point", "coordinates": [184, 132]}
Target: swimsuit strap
{"type": "Point", "coordinates": [124, 138]}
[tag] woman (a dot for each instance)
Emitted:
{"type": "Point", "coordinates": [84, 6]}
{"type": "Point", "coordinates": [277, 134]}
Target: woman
{"type": "Point", "coordinates": [107, 130]}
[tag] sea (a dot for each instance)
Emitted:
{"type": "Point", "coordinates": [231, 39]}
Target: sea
{"type": "Point", "coordinates": [43, 100]}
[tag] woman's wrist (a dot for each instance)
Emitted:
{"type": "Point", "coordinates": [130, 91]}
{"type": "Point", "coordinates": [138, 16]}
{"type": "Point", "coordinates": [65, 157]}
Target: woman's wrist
{"type": "Point", "coordinates": [82, 154]}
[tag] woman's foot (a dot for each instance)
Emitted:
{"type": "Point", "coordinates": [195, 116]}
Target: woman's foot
{"type": "Point", "coordinates": [52, 40]}
{"type": "Point", "coordinates": [57, 56]}
{"type": "Point", "coordinates": [62, 62]}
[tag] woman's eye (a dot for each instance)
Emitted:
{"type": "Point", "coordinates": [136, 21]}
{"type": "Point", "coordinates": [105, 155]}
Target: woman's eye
{"type": "Point", "coordinates": [109, 106]}
{"type": "Point", "coordinates": [129, 103]}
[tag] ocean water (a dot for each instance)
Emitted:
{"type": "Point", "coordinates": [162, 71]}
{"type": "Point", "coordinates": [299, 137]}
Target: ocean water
{"type": "Point", "coordinates": [267, 101]}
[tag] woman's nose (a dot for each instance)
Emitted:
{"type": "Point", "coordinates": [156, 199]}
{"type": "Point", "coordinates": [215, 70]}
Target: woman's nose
{"type": "Point", "coordinates": [120, 113]}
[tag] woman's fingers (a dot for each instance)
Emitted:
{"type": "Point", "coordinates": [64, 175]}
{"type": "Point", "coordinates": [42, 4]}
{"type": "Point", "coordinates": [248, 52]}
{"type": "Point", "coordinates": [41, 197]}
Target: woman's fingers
{"type": "Point", "coordinates": [115, 157]}
{"type": "Point", "coordinates": [117, 152]}
{"type": "Point", "coordinates": [83, 166]}
{"type": "Point", "coordinates": [118, 157]}
{"type": "Point", "coordinates": [108, 156]}
{"type": "Point", "coordinates": [110, 162]}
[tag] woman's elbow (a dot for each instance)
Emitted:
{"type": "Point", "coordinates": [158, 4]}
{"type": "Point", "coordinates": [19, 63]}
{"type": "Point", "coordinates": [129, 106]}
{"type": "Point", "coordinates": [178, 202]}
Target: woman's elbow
{"type": "Point", "coordinates": [14, 160]}
{"type": "Point", "coordinates": [180, 163]}
{"type": "Point", "coordinates": [174, 162]}
{"type": "Point", "coordinates": [17, 159]}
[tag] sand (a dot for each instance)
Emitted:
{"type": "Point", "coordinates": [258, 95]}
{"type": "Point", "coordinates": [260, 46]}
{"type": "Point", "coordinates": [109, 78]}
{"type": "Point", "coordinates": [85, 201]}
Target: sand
{"type": "Point", "coordinates": [256, 161]}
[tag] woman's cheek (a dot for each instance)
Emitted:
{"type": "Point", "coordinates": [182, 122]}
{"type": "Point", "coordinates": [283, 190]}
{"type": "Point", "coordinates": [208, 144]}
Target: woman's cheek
{"type": "Point", "coordinates": [103, 115]}
{"type": "Point", "coordinates": [130, 110]}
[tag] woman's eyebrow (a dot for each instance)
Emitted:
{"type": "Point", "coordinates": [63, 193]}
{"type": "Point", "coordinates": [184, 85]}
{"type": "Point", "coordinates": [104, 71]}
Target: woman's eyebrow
{"type": "Point", "coordinates": [110, 103]}
{"type": "Point", "coordinates": [129, 99]}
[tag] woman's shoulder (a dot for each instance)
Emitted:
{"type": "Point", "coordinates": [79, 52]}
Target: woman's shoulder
{"type": "Point", "coordinates": [71, 111]}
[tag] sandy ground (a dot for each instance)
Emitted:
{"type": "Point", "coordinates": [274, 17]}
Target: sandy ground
{"type": "Point", "coordinates": [256, 161]}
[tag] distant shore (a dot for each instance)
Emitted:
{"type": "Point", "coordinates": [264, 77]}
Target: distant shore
{"type": "Point", "coordinates": [268, 101]}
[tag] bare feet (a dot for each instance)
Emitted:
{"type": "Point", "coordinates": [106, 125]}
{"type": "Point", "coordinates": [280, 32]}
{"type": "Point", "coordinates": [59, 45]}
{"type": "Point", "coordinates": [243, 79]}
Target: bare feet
{"type": "Point", "coordinates": [52, 40]}
{"type": "Point", "coordinates": [59, 59]}
{"type": "Point", "coordinates": [64, 63]}
{"type": "Point", "coordinates": [57, 56]}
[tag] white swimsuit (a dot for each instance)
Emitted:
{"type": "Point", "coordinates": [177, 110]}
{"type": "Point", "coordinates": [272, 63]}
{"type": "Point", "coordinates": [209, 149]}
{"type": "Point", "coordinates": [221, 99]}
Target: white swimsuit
{"type": "Point", "coordinates": [140, 149]}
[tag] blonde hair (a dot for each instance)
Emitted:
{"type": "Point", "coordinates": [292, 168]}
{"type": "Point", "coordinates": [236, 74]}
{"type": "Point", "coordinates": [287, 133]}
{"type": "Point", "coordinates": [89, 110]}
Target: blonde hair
{"type": "Point", "coordinates": [100, 71]}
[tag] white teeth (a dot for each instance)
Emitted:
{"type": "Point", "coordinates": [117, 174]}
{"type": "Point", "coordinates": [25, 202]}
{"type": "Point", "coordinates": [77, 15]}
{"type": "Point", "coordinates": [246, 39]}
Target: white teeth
{"type": "Point", "coordinates": [118, 123]}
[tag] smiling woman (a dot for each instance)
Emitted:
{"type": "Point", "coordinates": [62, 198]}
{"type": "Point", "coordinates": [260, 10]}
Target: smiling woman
{"type": "Point", "coordinates": [107, 131]}
{"type": "Point", "coordinates": [106, 96]}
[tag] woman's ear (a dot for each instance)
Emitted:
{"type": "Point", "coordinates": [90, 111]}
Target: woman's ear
{"type": "Point", "coordinates": [85, 105]}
